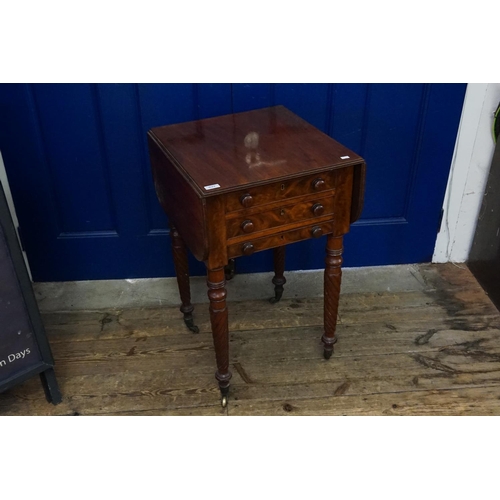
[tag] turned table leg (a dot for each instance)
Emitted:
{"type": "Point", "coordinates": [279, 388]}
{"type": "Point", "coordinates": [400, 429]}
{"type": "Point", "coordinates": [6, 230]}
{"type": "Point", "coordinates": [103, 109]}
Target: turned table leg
{"type": "Point", "coordinates": [279, 269]}
{"type": "Point", "coordinates": [181, 266]}
{"type": "Point", "coordinates": [218, 318]}
{"type": "Point", "coordinates": [333, 274]}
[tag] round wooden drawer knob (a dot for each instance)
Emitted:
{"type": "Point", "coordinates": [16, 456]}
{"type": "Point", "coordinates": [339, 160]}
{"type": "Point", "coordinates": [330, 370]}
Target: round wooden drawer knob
{"type": "Point", "coordinates": [248, 249]}
{"type": "Point", "coordinates": [318, 209]}
{"type": "Point", "coordinates": [246, 200]}
{"type": "Point", "coordinates": [318, 184]}
{"type": "Point", "coordinates": [316, 232]}
{"type": "Point", "coordinates": [247, 226]}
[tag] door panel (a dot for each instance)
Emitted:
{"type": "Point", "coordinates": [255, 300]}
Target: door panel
{"type": "Point", "coordinates": [390, 127]}
{"type": "Point", "coordinates": [73, 143]}
{"type": "Point", "coordinates": [311, 101]}
{"type": "Point", "coordinates": [77, 160]}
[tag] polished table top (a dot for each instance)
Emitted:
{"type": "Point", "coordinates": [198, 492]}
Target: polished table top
{"type": "Point", "coordinates": [250, 148]}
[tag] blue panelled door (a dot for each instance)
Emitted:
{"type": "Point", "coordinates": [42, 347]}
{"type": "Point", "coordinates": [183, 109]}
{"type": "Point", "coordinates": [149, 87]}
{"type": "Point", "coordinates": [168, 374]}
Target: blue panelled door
{"type": "Point", "coordinates": [77, 163]}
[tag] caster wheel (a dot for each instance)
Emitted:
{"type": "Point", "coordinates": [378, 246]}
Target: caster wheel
{"type": "Point", "coordinates": [278, 293]}
{"type": "Point", "coordinates": [188, 320]}
{"type": "Point", "coordinates": [223, 401]}
{"type": "Point", "coordinates": [327, 354]}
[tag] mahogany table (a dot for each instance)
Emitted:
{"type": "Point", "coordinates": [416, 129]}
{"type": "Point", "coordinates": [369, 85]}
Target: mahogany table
{"type": "Point", "coordinates": [241, 183]}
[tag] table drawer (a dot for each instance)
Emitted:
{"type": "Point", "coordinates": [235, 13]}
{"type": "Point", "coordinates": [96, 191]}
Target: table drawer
{"type": "Point", "coordinates": [252, 245]}
{"type": "Point", "coordinates": [260, 195]}
{"type": "Point", "coordinates": [280, 215]}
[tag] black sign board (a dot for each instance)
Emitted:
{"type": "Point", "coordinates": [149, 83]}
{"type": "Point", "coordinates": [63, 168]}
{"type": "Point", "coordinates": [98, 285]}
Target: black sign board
{"type": "Point", "coordinates": [24, 349]}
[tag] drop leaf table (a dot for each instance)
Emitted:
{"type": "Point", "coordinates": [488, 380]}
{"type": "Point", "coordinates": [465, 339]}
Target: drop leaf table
{"type": "Point", "coordinates": [241, 183]}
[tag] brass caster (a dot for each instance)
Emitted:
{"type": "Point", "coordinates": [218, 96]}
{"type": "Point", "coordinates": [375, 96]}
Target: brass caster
{"type": "Point", "coordinates": [223, 401]}
{"type": "Point", "coordinates": [327, 354]}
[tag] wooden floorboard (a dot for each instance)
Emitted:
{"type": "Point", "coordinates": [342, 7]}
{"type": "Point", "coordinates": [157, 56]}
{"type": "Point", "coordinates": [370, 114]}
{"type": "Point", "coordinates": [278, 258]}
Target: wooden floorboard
{"type": "Point", "coordinates": [429, 352]}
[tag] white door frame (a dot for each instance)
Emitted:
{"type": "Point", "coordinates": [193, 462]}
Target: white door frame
{"type": "Point", "coordinates": [468, 174]}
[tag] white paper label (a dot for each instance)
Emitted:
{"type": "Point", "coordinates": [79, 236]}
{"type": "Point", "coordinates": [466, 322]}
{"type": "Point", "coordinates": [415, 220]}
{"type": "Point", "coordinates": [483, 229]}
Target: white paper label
{"type": "Point", "coordinates": [212, 186]}
{"type": "Point", "coordinates": [344, 157]}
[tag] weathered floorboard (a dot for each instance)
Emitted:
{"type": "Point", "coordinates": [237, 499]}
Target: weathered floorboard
{"type": "Point", "coordinates": [430, 352]}
{"type": "Point", "coordinates": [466, 401]}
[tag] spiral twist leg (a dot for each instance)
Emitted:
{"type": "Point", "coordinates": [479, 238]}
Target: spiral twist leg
{"type": "Point", "coordinates": [181, 265]}
{"type": "Point", "coordinates": [218, 318]}
{"type": "Point", "coordinates": [333, 274]}
{"type": "Point", "coordinates": [279, 269]}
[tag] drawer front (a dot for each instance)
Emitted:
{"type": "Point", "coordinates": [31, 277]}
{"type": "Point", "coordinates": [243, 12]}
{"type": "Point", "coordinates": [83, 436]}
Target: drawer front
{"type": "Point", "coordinates": [247, 224]}
{"type": "Point", "coordinates": [260, 195]}
{"type": "Point", "coordinates": [251, 245]}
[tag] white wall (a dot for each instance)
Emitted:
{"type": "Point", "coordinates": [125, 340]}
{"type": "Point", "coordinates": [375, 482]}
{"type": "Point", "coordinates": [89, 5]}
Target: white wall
{"type": "Point", "coordinates": [469, 173]}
